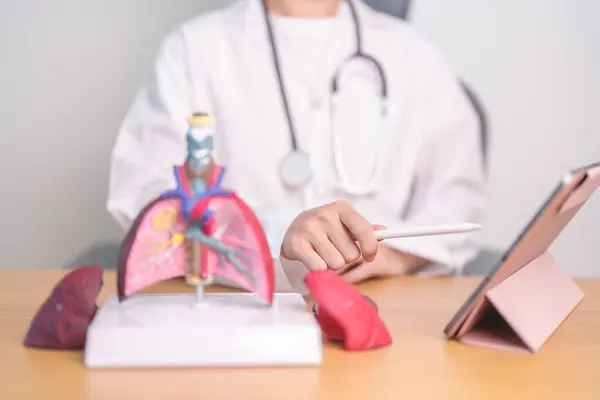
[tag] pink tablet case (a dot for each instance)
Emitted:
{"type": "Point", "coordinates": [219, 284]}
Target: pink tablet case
{"type": "Point", "coordinates": [523, 311]}
{"type": "Point", "coordinates": [531, 295]}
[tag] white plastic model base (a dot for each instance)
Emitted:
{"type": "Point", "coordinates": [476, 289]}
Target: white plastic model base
{"type": "Point", "coordinates": [222, 330]}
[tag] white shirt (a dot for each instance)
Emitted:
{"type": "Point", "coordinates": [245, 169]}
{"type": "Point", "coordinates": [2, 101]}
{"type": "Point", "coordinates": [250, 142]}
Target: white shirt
{"type": "Point", "coordinates": [221, 63]}
{"type": "Point", "coordinates": [303, 44]}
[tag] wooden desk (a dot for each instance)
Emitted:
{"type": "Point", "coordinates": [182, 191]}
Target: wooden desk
{"type": "Point", "coordinates": [419, 365]}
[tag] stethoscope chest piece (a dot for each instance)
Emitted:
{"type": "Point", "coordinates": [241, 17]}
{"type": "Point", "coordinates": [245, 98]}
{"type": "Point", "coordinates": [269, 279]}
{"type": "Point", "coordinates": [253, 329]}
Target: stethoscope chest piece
{"type": "Point", "coordinates": [295, 170]}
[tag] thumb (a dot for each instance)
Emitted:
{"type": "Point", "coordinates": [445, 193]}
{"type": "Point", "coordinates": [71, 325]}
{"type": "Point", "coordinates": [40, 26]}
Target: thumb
{"type": "Point", "coordinates": [359, 273]}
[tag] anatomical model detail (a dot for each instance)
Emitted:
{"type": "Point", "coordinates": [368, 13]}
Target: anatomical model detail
{"type": "Point", "coordinates": [199, 230]}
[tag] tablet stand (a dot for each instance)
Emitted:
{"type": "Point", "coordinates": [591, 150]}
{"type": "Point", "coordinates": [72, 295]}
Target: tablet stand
{"type": "Point", "coordinates": [531, 299]}
{"type": "Point", "coordinates": [524, 301]}
{"type": "Point", "coordinates": [525, 309]}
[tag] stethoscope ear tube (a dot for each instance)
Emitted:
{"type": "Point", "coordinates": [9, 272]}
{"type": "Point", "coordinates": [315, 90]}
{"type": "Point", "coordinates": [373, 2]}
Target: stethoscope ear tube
{"type": "Point", "coordinates": [282, 90]}
{"type": "Point", "coordinates": [383, 88]}
{"type": "Point", "coordinates": [344, 180]}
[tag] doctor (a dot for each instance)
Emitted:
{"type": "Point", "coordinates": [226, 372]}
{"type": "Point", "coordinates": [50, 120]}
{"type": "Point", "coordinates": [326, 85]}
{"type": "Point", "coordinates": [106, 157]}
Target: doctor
{"type": "Point", "coordinates": [330, 116]}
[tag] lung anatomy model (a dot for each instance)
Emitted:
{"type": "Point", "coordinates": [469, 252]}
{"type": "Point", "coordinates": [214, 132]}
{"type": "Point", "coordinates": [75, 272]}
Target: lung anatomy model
{"type": "Point", "coordinates": [199, 230]}
{"type": "Point", "coordinates": [206, 234]}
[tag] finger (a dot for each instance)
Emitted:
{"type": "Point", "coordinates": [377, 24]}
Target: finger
{"type": "Point", "coordinates": [328, 252]}
{"type": "Point", "coordinates": [350, 266]}
{"type": "Point", "coordinates": [305, 253]}
{"type": "Point", "coordinates": [359, 273]}
{"type": "Point", "coordinates": [362, 231]}
{"type": "Point", "coordinates": [342, 239]}
{"type": "Point", "coordinates": [375, 229]}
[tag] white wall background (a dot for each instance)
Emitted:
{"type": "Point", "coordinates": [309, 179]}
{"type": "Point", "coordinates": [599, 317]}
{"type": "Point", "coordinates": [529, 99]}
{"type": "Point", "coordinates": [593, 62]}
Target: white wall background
{"type": "Point", "coordinates": [535, 64]}
{"type": "Point", "coordinates": [69, 70]}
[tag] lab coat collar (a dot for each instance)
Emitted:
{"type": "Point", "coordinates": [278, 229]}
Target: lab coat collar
{"type": "Point", "coordinates": [252, 15]}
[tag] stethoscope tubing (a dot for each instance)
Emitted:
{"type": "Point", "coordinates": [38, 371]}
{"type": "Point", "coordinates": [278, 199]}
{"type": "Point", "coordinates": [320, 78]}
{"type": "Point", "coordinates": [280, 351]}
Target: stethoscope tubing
{"type": "Point", "coordinates": [334, 89]}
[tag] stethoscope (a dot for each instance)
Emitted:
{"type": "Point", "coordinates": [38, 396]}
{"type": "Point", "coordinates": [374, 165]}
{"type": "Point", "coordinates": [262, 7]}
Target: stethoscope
{"type": "Point", "coordinates": [295, 169]}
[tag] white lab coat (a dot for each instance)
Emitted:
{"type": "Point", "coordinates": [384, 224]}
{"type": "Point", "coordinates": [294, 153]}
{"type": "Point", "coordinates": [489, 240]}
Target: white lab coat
{"type": "Point", "coordinates": [221, 63]}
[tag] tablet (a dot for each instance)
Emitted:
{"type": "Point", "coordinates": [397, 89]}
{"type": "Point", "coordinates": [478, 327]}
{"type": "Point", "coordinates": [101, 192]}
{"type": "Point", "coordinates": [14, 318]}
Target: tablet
{"type": "Point", "coordinates": [553, 216]}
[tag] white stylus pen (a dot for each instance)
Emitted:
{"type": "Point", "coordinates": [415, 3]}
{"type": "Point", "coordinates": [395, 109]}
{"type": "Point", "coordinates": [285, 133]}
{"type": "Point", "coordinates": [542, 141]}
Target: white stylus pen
{"type": "Point", "coordinates": [426, 230]}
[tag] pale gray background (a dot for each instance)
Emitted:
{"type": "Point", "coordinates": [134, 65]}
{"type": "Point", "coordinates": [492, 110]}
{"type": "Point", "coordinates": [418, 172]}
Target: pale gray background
{"type": "Point", "coordinates": [69, 70]}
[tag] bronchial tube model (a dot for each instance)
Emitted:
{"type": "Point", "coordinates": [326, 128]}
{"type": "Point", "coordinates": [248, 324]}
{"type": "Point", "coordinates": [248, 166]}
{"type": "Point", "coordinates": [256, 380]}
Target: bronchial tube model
{"type": "Point", "coordinates": [199, 230]}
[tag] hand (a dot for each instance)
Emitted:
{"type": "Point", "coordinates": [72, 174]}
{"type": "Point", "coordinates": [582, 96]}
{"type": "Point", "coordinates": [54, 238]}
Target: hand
{"type": "Point", "coordinates": [330, 237]}
{"type": "Point", "coordinates": [388, 262]}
